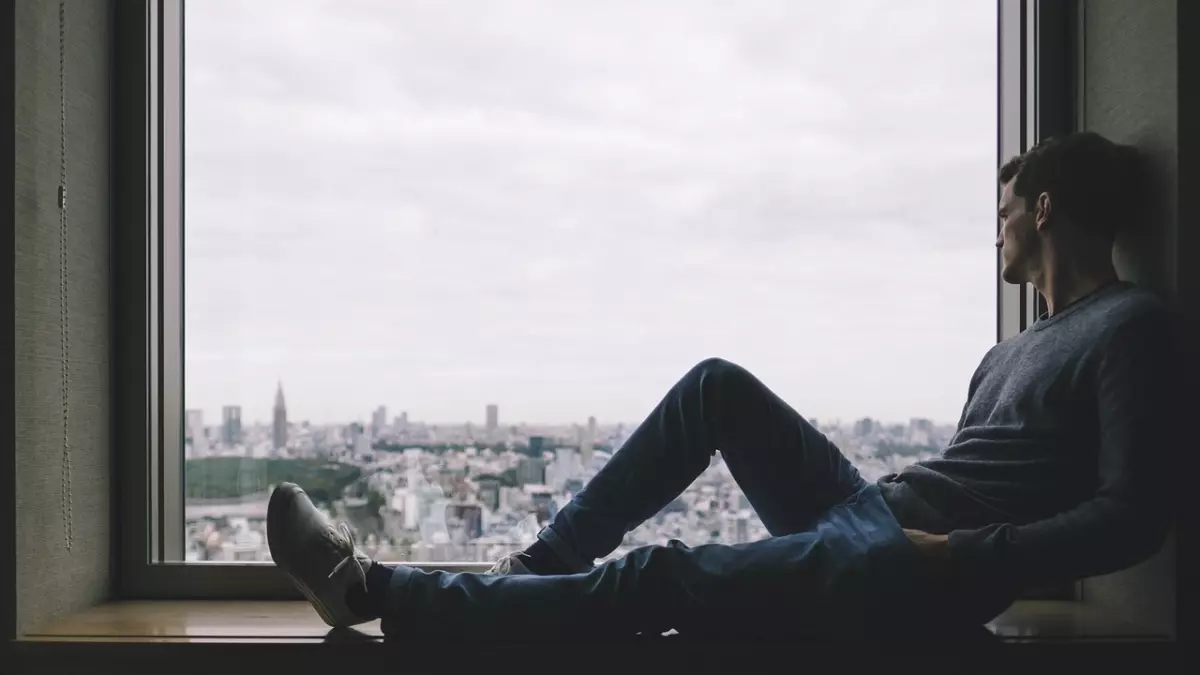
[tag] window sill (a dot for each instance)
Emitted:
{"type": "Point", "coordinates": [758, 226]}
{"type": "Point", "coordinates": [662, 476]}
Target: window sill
{"type": "Point", "coordinates": [218, 634]}
{"type": "Point", "coordinates": [1057, 620]}
{"type": "Point", "coordinates": [288, 621]}
{"type": "Point", "coordinates": [198, 621]}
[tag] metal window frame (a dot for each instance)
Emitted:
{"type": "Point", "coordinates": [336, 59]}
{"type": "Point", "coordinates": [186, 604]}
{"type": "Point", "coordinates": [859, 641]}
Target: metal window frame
{"type": "Point", "coordinates": [1033, 101]}
{"type": "Point", "coordinates": [148, 322]}
{"type": "Point", "coordinates": [1036, 96]}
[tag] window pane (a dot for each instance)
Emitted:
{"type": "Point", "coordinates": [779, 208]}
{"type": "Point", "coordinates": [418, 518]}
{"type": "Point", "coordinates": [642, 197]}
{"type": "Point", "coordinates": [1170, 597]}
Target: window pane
{"type": "Point", "coordinates": [442, 258]}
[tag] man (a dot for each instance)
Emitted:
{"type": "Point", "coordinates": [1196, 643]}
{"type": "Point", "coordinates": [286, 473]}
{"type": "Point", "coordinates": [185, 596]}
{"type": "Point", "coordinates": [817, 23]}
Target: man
{"type": "Point", "coordinates": [1056, 472]}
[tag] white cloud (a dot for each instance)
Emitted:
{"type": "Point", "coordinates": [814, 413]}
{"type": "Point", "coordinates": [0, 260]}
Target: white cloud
{"type": "Point", "coordinates": [560, 206]}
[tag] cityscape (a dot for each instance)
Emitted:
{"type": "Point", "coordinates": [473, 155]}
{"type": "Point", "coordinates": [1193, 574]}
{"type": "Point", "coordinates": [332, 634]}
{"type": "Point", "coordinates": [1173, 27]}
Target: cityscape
{"type": "Point", "coordinates": [413, 491]}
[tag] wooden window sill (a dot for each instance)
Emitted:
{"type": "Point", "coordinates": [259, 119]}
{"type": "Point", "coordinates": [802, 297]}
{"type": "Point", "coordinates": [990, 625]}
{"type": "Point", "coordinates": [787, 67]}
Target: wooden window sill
{"type": "Point", "coordinates": [274, 637]}
{"type": "Point", "coordinates": [198, 620]}
{"type": "Point", "coordinates": [283, 621]}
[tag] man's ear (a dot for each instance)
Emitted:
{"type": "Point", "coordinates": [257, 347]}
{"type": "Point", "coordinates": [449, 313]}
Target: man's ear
{"type": "Point", "coordinates": [1041, 210]}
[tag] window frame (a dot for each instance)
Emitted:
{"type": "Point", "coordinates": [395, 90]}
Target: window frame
{"type": "Point", "coordinates": [1033, 101]}
{"type": "Point", "coordinates": [1036, 97]}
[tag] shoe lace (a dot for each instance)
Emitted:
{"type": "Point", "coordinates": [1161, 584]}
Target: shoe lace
{"type": "Point", "coordinates": [503, 566]}
{"type": "Point", "coordinates": [354, 559]}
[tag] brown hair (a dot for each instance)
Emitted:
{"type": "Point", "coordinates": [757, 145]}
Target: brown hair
{"type": "Point", "coordinates": [1095, 183]}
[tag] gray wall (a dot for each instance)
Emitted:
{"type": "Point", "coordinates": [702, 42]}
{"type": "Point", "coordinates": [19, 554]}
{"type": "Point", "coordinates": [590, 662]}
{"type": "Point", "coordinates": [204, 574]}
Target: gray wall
{"type": "Point", "coordinates": [1128, 69]}
{"type": "Point", "coordinates": [52, 580]}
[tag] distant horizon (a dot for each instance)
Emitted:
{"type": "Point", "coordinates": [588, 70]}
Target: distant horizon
{"type": "Point", "coordinates": [215, 421]}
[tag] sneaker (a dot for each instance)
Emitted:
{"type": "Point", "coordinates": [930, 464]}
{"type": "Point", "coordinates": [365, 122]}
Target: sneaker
{"type": "Point", "coordinates": [320, 558]}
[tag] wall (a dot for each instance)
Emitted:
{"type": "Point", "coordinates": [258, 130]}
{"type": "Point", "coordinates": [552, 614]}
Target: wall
{"type": "Point", "coordinates": [1129, 92]}
{"type": "Point", "coordinates": [53, 576]}
{"type": "Point", "coordinates": [8, 573]}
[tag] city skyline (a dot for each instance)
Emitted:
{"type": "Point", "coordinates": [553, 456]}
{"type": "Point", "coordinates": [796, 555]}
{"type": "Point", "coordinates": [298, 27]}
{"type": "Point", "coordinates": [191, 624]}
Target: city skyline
{"type": "Point", "coordinates": [483, 422]}
{"type": "Point", "coordinates": [441, 496]}
{"type": "Point", "coordinates": [561, 207]}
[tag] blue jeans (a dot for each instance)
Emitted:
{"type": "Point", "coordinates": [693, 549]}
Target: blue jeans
{"type": "Point", "coordinates": [837, 561]}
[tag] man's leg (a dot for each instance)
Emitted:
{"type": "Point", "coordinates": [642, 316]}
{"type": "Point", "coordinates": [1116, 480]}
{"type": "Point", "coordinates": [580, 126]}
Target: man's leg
{"type": "Point", "coordinates": [789, 471]}
{"type": "Point", "coordinates": [853, 574]}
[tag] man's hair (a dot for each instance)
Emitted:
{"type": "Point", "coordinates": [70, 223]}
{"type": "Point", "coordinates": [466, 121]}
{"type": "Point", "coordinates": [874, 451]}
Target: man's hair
{"type": "Point", "coordinates": [1095, 183]}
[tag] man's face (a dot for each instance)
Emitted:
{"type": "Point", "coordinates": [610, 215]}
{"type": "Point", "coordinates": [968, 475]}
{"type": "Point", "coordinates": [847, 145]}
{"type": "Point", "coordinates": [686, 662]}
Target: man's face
{"type": "Point", "coordinates": [1018, 236]}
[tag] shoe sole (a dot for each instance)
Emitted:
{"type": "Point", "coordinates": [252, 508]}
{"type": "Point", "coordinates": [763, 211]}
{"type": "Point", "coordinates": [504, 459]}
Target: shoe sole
{"type": "Point", "coordinates": [324, 612]}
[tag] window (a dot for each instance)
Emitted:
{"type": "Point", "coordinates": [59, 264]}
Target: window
{"type": "Point", "coordinates": [437, 261]}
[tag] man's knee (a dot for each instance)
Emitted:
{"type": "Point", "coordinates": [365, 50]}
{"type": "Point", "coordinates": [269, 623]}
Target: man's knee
{"type": "Point", "coordinates": [720, 372]}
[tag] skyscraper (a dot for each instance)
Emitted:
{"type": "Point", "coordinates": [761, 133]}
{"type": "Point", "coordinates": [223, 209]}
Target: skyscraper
{"type": "Point", "coordinates": [362, 445]}
{"type": "Point", "coordinates": [493, 420]}
{"type": "Point", "coordinates": [531, 470]}
{"type": "Point", "coordinates": [378, 421]}
{"type": "Point", "coordinates": [279, 430]}
{"type": "Point", "coordinates": [195, 432]}
{"type": "Point", "coordinates": [231, 424]}
{"type": "Point", "coordinates": [537, 445]}
{"type": "Point", "coordinates": [589, 440]}
{"type": "Point", "coordinates": [566, 466]}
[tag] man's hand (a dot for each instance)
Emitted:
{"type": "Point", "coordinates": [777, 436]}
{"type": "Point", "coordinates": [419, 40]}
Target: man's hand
{"type": "Point", "coordinates": [934, 547]}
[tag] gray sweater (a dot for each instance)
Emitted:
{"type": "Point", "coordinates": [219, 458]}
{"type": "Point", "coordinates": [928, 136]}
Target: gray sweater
{"type": "Point", "coordinates": [1062, 465]}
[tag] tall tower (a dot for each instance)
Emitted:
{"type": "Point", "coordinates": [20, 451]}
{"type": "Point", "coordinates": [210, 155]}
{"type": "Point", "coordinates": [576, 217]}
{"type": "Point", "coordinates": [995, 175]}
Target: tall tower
{"type": "Point", "coordinates": [589, 441]}
{"type": "Point", "coordinates": [279, 435]}
{"type": "Point", "coordinates": [231, 424]}
{"type": "Point", "coordinates": [378, 421]}
{"type": "Point", "coordinates": [493, 420]}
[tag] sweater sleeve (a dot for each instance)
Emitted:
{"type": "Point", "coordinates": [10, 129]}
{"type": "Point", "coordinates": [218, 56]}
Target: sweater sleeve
{"type": "Point", "coordinates": [1126, 520]}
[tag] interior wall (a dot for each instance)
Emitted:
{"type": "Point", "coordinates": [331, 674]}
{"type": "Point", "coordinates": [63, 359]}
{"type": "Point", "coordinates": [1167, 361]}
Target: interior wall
{"type": "Point", "coordinates": [1128, 88]}
{"type": "Point", "coordinates": [8, 573]}
{"type": "Point", "coordinates": [61, 379]}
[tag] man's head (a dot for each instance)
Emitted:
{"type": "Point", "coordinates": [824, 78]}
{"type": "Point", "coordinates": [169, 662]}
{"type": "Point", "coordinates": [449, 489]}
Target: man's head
{"type": "Point", "coordinates": [1064, 201]}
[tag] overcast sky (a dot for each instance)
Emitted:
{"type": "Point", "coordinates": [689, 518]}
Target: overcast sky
{"type": "Point", "coordinates": [560, 206]}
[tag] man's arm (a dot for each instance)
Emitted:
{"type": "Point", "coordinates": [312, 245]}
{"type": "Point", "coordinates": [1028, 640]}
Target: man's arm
{"type": "Point", "coordinates": [1128, 518]}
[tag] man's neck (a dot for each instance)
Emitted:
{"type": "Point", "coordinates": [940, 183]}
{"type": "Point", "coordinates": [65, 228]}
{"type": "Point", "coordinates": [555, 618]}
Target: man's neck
{"type": "Point", "coordinates": [1065, 284]}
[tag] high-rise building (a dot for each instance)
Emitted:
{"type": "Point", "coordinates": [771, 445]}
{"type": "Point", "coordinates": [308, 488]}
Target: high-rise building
{"type": "Point", "coordinates": [741, 529]}
{"type": "Point", "coordinates": [378, 420]}
{"type": "Point", "coordinates": [566, 467]}
{"type": "Point", "coordinates": [279, 429]}
{"type": "Point", "coordinates": [195, 432]}
{"type": "Point", "coordinates": [467, 516]}
{"type": "Point", "coordinates": [362, 445]}
{"type": "Point", "coordinates": [589, 441]}
{"type": "Point", "coordinates": [864, 427]}
{"type": "Point", "coordinates": [920, 431]}
{"type": "Point", "coordinates": [231, 424]}
{"type": "Point", "coordinates": [531, 470]}
{"type": "Point", "coordinates": [921, 423]}
{"type": "Point", "coordinates": [537, 445]}
{"type": "Point", "coordinates": [489, 492]}
{"type": "Point", "coordinates": [493, 419]}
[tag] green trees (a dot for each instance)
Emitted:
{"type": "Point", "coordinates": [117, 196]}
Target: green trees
{"type": "Point", "coordinates": [232, 477]}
